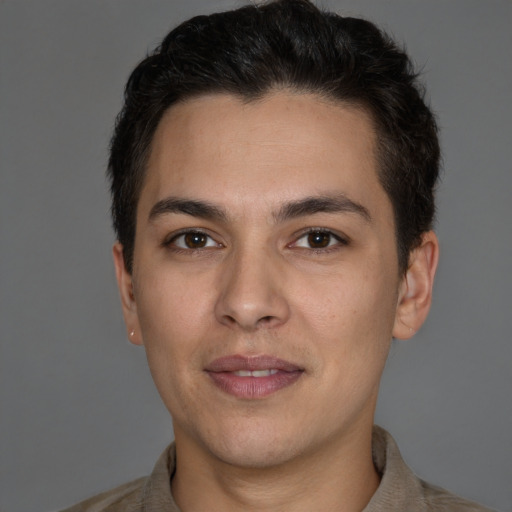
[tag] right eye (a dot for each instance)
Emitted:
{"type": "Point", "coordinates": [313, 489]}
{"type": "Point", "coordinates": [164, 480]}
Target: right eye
{"type": "Point", "coordinates": [192, 240]}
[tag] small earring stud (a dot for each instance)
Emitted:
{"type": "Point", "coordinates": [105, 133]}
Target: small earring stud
{"type": "Point", "coordinates": [132, 333]}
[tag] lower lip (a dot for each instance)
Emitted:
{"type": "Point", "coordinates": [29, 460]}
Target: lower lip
{"type": "Point", "coordinates": [253, 387]}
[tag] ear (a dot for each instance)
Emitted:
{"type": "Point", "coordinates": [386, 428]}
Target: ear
{"type": "Point", "coordinates": [415, 294]}
{"type": "Point", "coordinates": [125, 284]}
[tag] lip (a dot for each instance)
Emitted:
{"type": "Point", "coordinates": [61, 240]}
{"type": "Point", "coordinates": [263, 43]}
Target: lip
{"type": "Point", "coordinates": [222, 373]}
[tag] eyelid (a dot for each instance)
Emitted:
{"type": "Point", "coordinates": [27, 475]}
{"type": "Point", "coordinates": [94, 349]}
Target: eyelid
{"type": "Point", "coordinates": [169, 240]}
{"type": "Point", "coordinates": [341, 239]}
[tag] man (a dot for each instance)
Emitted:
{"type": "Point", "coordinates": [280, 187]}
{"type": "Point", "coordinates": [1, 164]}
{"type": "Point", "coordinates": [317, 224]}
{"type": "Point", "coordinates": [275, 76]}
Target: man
{"type": "Point", "coordinates": [272, 179]}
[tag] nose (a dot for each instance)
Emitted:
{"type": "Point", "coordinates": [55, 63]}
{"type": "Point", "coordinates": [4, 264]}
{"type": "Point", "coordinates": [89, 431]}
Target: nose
{"type": "Point", "coordinates": [251, 295]}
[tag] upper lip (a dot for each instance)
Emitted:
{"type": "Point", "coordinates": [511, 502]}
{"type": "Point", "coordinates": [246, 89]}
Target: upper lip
{"type": "Point", "coordinates": [251, 363]}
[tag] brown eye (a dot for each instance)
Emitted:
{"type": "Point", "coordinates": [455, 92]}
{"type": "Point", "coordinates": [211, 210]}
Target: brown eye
{"type": "Point", "coordinates": [195, 240]}
{"type": "Point", "coordinates": [319, 239]}
{"type": "Point", "coordinates": [192, 240]}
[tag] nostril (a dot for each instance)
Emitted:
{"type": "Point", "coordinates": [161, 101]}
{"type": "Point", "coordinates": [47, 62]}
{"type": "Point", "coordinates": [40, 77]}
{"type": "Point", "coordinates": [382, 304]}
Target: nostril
{"type": "Point", "coordinates": [230, 319]}
{"type": "Point", "coordinates": [265, 320]}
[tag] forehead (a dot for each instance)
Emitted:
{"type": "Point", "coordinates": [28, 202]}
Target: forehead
{"type": "Point", "coordinates": [263, 152]}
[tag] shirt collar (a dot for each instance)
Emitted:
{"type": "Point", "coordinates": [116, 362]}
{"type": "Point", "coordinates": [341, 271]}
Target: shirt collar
{"type": "Point", "coordinates": [400, 489]}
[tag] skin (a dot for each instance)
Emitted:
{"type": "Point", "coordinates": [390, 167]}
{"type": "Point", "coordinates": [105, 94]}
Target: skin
{"type": "Point", "coordinates": [255, 284]}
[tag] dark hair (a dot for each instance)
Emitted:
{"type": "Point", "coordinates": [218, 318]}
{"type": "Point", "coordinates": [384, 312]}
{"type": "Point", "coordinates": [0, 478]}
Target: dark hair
{"type": "Point", "coordinates": [284, 44]}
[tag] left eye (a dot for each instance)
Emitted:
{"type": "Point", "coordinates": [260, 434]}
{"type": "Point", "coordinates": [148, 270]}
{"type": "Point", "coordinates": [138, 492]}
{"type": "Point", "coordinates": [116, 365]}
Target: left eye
{"type": "Point", "coordinates": [193, 240]}
{"type": "Point", "coordinates": [317, 240]}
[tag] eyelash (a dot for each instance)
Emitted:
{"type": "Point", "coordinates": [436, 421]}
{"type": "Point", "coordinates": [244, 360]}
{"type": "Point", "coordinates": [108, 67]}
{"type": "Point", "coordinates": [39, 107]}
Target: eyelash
{"type": "Point", "coordinates": [170, 242]}
{"type": "Point", "coordinates": [340, 240]}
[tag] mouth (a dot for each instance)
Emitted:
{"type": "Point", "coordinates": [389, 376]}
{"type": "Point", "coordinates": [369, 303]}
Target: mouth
{"type": "Point", "coordinates": [252, 377]}
{"type": "Point", "coordinates": [256, 373]}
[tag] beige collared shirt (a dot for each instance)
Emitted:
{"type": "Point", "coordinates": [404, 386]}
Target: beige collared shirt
{"type": "Point", "coordinates": [400, 490]}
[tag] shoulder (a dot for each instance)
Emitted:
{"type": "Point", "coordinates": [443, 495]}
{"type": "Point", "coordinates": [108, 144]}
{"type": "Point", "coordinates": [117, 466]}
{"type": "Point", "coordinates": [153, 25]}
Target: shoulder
{"type": "Point", "coordinates": [152, 493]}
{"type": "Point", "coordinates": [400, 490]}
{"type": "Point", "coordinates": [125, 498]}
{"type": "Point", "coordinates": [441, 500]}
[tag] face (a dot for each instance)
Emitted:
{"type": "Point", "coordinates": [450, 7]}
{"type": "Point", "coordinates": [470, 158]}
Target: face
{"type": "Point", "coordinates": [265, 285]}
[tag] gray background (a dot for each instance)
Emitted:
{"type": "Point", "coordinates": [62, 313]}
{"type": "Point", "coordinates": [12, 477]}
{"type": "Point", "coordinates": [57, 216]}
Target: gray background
{"type": "Point", "coordinates": [78, 410]}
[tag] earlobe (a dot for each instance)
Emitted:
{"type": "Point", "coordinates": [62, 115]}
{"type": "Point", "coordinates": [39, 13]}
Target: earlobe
{"type": "Point", "coordinates": [415, 294]}
{"type": "Point", "coordinates": [128, 303]}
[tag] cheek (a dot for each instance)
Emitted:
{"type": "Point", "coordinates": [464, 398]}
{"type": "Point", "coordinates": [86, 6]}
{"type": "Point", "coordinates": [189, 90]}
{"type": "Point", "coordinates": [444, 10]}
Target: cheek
{"type": "Point", "coordinates": [351, 299]}
{"type": "Point", "coordinates": [174, 323]}
{"type": "Point", "coordinates": [351, 316]}
{"type": "Point", "coordinates": [171, 304]}
{"type": "Point", "coordinates": [174, 319]}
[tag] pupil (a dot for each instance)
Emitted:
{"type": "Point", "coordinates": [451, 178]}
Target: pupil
{"type": "Point", "coordinates": [319, 240]}
{"type": "Point", "coordinates": [195, 240]}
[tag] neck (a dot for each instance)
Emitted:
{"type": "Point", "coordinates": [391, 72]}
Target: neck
{"type": "Point", "coordinates": [339, 477]}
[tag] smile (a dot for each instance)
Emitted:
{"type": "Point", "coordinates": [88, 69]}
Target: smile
{"type": "Point", "coordinates": [256, 373]}
{"type": "Point", "coordinates": [252, 377]}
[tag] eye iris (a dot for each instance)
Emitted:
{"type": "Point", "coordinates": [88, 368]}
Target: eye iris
{"type": "Point", "coordinates": [195, 240]}
{"type": "Point", "coordinates": [319, 240]}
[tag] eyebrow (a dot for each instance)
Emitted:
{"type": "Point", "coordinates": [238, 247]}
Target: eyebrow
{"type": "Point", "coordinates": [321, 204]}
{"type": "Point", "coordinates": [191, 207]}
{"type": "Point", "coordinates": [293, 209]}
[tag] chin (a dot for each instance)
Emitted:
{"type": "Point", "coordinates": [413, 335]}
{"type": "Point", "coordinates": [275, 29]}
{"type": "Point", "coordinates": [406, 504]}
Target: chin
{"type": "Point", "coordinates": [255, 454]}
{"type": "Point", "coordinates": [253, 448]}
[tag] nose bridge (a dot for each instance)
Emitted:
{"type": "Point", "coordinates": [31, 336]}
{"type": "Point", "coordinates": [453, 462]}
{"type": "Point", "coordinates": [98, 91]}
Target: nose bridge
{"type": "Point", "coordinates": [250, 295]}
